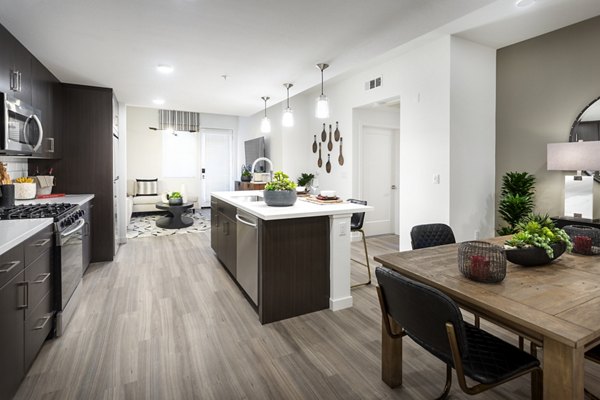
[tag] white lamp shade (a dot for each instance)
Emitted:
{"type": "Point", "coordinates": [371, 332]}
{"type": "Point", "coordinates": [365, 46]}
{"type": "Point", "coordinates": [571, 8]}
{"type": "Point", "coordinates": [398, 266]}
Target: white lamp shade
{"type": "Point", "coordinates": [574, 156]}
{"type": "Point", "coordinates": [265, 125]}
{"type": "Point", "coordinates": [322, 110]}
{"type": "Point", "coordinates": [288, 118]}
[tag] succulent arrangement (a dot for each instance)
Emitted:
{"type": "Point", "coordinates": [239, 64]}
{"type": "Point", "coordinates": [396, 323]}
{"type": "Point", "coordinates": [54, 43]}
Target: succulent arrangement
{"type": "Point", "coordinates": [174, 195]}
{"type": "Point", "coordinates": [280, 182]}
{"type": "Point", "coordinates": [536, 230]}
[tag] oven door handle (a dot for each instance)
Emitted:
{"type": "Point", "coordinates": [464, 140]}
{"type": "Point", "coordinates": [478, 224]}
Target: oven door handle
{"type": "Point", "coordinates": [77, 228]}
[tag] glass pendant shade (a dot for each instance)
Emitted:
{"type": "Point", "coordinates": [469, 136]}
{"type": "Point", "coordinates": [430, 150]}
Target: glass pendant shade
{"type": "Point", "coordinates": [288, 118]}
{"type": "Point", "coordinates": [322, 110]}
{"type": "Point", "coordinates": [265, 125]}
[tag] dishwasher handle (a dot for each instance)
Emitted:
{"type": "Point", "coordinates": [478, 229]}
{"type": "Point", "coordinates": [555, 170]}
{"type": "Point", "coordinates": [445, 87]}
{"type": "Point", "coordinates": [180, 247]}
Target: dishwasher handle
{"type": "Point", "coordinates": [243, 221]}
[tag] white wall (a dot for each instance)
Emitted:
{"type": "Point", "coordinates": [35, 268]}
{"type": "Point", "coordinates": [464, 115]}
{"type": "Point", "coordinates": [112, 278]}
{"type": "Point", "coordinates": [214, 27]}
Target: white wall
{"type": "Point", "coordinates": [472, 139]}
{"type": "Point", "coordinates": [122, 204]}
{"type": "Point", "coordinates": [144, 147]}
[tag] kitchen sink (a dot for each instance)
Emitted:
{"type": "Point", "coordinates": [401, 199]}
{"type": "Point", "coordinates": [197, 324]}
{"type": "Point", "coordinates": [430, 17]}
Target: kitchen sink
{"type": "Point", "coordinates": [247, 199]}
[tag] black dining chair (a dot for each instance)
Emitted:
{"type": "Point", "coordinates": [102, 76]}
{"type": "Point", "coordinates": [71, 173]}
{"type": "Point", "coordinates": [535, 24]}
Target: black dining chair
{"type": "Point", "coordinates": [356, 225]}
{"type": "Point", "coordinates": [429, 235]}
{"type": "Point", "coordinates": [593, 355]}
{"type": "Point", "coordinates": [434, 321]}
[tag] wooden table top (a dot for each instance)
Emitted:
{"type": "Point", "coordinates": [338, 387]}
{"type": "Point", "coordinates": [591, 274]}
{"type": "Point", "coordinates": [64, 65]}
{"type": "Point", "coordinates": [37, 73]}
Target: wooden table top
{"type": "Point", "coordinates": [560, 300]}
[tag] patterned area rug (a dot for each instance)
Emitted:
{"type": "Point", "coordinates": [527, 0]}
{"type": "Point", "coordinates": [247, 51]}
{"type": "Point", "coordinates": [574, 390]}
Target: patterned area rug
{"type": "Point", "coordinates": [144, 225]}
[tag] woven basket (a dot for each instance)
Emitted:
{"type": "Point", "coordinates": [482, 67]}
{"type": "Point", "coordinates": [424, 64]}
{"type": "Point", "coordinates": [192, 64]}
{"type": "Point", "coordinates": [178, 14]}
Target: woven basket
{"type": "Point", "coordinates": [586, 239]}
{"type": "Point", "coordinates": [482, 261]}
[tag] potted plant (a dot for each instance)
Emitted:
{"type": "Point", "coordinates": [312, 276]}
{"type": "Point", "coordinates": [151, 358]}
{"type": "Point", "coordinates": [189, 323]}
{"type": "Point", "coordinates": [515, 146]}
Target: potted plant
{"type": "Point", "coordinates": [175, 199]}
{"type": "Point", "coordinates": [516, 199]}
{"type": "Point", "coordinates": [281, 191]}
{"type": "Point", "coordinates": [246, 174]}
{"type": "Point", "coordinates": [304, 182]}
{"type": "Point", "coordinates": [537, 241]}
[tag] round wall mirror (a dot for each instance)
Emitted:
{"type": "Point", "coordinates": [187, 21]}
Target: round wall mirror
{"type": "Point", "coordinates": [587, 127]}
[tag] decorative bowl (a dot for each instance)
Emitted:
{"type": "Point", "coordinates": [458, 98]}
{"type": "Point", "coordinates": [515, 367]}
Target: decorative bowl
{"type": "Point", "coordinates": [280, 198]}
{"type": "Point", "coordinates": [534, 256]}
{"type": "Point", "coordinates": [328, 193]}
{"type": "Point", "coordinates": [176, 202]}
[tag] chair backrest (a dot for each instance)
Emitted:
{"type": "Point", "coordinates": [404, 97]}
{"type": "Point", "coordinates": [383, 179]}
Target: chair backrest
{"type": "Point", "coordinates": [358, 218]}
{"type": "Point", "coordinates": [430, 235]}
{"type": "Point", "coordinates": [422, 311]}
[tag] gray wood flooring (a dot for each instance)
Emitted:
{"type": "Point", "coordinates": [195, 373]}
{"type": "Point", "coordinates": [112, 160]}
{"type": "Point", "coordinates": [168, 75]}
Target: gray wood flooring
{"type": "Point", "coordinates": [165, 321]}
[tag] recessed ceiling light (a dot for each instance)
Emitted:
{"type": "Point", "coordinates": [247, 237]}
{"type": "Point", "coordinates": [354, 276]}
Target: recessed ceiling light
{"type": "Point", "coordinates": [164, 69]}
{"type": "Point", "coordinates": [158, 102]}
{"type": "Point", "coordinates": [524, 3]}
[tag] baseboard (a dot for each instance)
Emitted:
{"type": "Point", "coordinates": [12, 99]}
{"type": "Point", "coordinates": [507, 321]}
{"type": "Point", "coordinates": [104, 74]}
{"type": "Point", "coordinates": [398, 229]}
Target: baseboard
{"type": "Point", "coordinates": [340, 304]}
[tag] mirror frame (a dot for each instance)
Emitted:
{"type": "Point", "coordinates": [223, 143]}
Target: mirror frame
{"type": "Point", "coordinates": [573, 136]}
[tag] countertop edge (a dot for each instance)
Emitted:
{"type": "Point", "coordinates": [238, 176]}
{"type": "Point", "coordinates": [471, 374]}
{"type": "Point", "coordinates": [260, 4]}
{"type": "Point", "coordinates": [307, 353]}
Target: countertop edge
{"type": "Point", "coordinates": [79, 199]}
{"type": "Point", "coordinates": [16, 240]}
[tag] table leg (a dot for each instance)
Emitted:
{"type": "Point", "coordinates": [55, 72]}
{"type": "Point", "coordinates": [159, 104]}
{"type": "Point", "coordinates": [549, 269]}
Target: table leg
{"type": "Point", "coordinates": [391, 356]}
{"type": "Point", "coordinates": [563, 371]}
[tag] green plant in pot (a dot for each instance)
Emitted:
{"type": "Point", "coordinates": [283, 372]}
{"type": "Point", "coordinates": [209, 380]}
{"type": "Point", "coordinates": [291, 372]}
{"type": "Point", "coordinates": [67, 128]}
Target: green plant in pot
{"type": "Point", "coordinates": [246, 174]}
{"type": "Point", "coordinates": [281, 191]}
{"type": "Point", "coordinates": [305, 181]}
{"type": "Point", "coordinates": [516, 199]}
{"type": "Point", "coordinates": [537, 241]}
{"type": "Point", "coordinates": [175, 198]}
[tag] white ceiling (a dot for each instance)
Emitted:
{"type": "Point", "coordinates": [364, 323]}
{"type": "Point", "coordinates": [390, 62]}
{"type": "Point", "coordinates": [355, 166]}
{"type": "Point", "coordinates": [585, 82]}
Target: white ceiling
{"type": "Point", "coordinates": [259, 44]}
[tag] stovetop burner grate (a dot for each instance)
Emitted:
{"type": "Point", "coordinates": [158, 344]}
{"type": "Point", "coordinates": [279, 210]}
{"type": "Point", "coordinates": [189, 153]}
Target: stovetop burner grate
{"type": "Point", "coordinates": [29, 211]}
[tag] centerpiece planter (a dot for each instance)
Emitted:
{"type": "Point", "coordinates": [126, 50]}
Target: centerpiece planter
{"type": "Point", "coordinates": [537, 242]}
{"type": "Point", "coordinates": [280, 192]}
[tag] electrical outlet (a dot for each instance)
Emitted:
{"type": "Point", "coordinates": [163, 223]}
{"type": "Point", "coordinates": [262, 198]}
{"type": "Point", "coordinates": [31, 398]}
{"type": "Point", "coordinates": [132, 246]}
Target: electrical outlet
{"type": "Point", "coordinates": [343, 227]}
{"type": "Point", "coordinates": [436, 179]}
{"type": "Point", "coordinates": [476, 235]}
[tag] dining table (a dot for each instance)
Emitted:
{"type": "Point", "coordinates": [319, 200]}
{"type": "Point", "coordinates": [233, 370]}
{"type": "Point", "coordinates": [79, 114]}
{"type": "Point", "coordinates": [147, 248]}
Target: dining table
{"type": "Point", "coordinates": [556, 306]}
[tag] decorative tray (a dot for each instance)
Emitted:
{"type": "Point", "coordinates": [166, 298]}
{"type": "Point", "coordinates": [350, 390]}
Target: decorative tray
{"type": "Point", "coordinates": [322, 200]}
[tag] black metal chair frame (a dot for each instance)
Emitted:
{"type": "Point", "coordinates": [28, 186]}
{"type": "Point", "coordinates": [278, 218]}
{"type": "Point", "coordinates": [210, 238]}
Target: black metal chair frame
{"type": "Point", "coordinates": [359, 224]}
{"type": "Point", "coordinates": [536, 379]}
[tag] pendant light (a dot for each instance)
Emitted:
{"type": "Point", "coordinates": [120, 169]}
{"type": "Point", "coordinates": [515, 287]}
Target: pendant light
{"type": "Point", "coordinates": [265, 124]}
{"type": "Point", "coordinates": [288, 117]}
{"type": "Point", "coordinates": [322, 110]}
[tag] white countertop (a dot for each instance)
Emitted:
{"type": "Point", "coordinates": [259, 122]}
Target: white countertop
{"type": "Point", "coordinates": [301, 209]}
{"type": "Point", "coordinates": [78, 199]}
{"type": "Point", "coordinates": [15, 231]}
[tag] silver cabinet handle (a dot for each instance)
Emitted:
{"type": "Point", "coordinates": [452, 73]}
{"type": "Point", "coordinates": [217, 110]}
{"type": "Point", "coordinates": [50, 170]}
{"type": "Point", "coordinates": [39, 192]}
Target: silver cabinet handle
{"type": "Point", "coordinates": [45, 319]}
{"type": "Point", "coordinates": [25, 295]}
{"type": "Point", "coordinates": [11, 265]}
{"type": "Point", "coordinates": [51, 145]}
{"type": "Point", "coordinates": [44, 279]}
{"type": "Point", "coordinates": [19, 81]}
{"type": "Point", "coordinates": [41, 243]}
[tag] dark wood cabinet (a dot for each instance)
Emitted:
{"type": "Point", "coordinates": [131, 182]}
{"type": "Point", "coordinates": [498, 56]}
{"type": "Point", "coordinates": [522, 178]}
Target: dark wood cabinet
{"type": "Point", "coordinates": [561, 222]}
{"type": "Point", "coordinates": [12, 363]}
{"type": "Point", "coordinates": [249, 185]}
{"type": "Point", "coordinates": [224, 234]}
{"type": "Point", "coordinates": [22, 65]}
{"type": "Point", "coordinates": [45, 97]}
{"type": "Point", "coordinates": [26, 307]}
{"type": "Point", "coordinates": [6, 45]}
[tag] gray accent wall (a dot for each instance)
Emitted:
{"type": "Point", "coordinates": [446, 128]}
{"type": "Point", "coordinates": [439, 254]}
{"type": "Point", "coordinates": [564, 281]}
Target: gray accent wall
{"type": "Point", "coordinates": [542, 84]}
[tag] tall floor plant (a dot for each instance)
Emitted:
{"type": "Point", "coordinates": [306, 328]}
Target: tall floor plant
{"type": "Point", "coordinates": [516, 199]}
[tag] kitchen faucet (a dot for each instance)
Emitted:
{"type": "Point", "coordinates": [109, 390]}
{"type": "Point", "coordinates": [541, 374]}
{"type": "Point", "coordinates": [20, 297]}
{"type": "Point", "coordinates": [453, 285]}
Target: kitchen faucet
{"type": "Point", "coordinates": [263, 159]}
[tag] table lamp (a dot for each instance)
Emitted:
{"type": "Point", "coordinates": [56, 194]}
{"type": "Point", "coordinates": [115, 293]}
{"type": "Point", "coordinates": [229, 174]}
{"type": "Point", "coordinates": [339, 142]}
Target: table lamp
{"type": "Point", "coordinates": [579, 190]}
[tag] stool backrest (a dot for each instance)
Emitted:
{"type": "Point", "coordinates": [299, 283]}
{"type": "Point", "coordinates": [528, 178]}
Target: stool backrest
{"type": "Point", "coordinates": [358, 218]}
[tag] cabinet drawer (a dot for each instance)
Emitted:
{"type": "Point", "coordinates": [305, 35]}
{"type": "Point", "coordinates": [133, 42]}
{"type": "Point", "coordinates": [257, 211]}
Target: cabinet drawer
{"type": "Point", "coordinates": [11, 263]}
{"type": "Point", "coordinates": [228, 210]}
{"type": "Point", "coordinates": [37, 327]}
{"type": "Point", "coordinates": [38, 244]}
{"type": "Point", "coordinates": [39, 277]}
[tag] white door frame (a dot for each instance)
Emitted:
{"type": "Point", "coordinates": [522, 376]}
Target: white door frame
{"type": "Point", "coordinates": [395, 167]}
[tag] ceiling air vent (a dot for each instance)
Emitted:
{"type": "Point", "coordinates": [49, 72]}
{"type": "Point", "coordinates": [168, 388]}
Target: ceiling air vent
{"type": "Point", "coordinates": [373, 83]}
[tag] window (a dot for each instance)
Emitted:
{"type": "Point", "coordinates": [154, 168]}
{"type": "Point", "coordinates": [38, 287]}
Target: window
{"type": "Point", "coordinates": [179, 155]}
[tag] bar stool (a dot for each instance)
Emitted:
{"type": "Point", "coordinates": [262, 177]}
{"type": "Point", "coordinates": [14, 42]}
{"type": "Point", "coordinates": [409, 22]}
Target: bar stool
{"type": "Point", "coordinates": [356, 224]}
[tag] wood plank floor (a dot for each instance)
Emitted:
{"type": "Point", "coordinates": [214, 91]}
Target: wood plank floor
{"type": "Point", "coordinates": [165, 321]}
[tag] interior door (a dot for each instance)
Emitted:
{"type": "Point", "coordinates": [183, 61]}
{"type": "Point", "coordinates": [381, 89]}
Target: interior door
{"type": "Point", "coordinates": [378, 179]}
{"type": "Point", "coordinates": [216, 163]}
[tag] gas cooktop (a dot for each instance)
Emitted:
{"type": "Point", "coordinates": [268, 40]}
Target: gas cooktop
{"type": "Point", "coordinates": [28, 211]}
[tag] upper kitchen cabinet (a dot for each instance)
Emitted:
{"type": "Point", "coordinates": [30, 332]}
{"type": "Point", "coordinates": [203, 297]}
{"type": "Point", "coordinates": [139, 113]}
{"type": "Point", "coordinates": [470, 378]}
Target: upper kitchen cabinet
{"type": "Point", "coordinates": [15, 67]}
{"type": "Point", "coordinates": [45, 97]}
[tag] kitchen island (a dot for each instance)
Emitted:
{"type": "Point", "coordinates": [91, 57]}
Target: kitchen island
{"type": "Point", "coordinates": [303, 252]}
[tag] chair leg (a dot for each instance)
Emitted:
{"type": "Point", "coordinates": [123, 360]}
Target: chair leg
{"type": "Point", "coordinates": [533, 349]}
{"type": "Point", "coordinates": [537, 391]}
{"type": "Point", "coordinates": [367, 264]}
{"type": "Point", "coordinates": [477, 321]}
{"type": "Point", "coordinates": [448, 383]}
{"type": "Point", "coordinates": [521, 343]}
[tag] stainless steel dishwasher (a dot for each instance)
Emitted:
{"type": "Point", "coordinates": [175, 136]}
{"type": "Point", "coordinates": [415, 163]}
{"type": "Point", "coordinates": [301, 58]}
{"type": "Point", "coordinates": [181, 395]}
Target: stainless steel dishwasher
{"type": "Point", "coordinates": [247, 253]}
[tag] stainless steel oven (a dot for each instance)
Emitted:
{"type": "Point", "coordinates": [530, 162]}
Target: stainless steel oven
{"type": "Point", "coordinates": [69, 260]}
{"type": "Point", "coordinates": [21, 127]}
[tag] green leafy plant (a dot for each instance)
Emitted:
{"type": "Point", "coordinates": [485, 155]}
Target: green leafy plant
{"type": "Point", "coordinates": [516, 199]}
{"type": "Point", "coordinates": [280, 182]}
{"type": "Point", "coordinates": [305, 179]}
{"type": "Point", "coordinates": [246, 170]}
{"type": "Point", "coordinates": [536, 230]}
{"type": "Point", "coordinates": [174, 195]}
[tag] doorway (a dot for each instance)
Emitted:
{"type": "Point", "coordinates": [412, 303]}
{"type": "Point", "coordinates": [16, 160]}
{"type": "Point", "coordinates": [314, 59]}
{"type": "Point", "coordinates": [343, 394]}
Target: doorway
{"type": "Point", "coordinates": [216, 157]}
{"type": "Point", "coordinates": [378, 131]}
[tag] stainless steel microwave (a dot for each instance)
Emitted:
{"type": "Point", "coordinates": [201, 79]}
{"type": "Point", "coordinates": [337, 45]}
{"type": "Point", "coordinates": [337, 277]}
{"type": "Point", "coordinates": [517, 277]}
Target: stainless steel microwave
{"type": "Point", "coordinates": [21, 127]}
